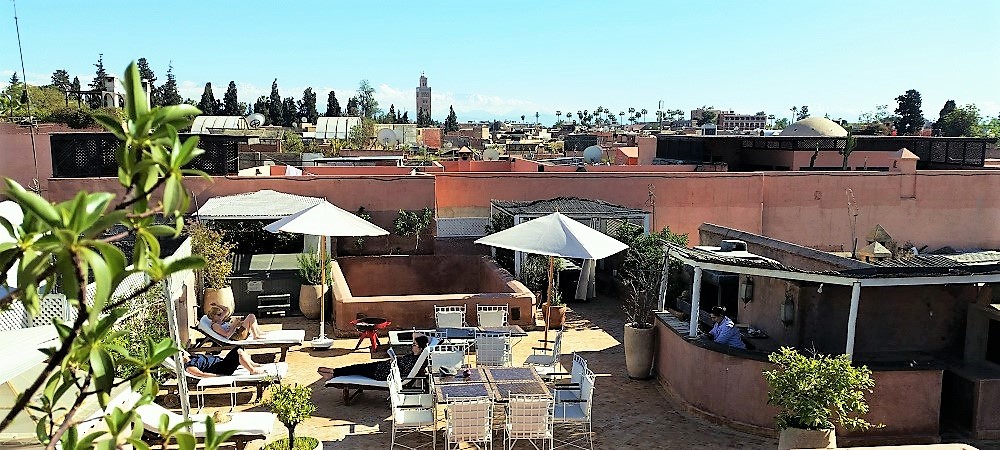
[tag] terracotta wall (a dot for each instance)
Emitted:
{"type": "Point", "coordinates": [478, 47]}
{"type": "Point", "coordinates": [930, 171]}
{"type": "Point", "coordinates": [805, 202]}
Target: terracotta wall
{"type": "Point", "coordinates": [414, 275]}
{"type": "Point", "coordinates": [17, 162]}
{"type": "Point", "coordinates": [731, 390]}
{"type": "Point", "coordinates": [417, 311]}
{"type": "Point", "coordinates": [808, 208]}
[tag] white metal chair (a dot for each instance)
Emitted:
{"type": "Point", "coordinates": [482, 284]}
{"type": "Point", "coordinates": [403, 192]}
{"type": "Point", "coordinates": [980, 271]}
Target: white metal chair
{"type": "Point", "coordinates": [412, 413]}
{"type": "Point", "coordinates": [493, 349]}
{"type": "Point", "coordinates": [570, 388]}
{"type": "Point", "coordinates": [469, 421]}
{"type": "Point", "coordinates": [572, 413]}
{"type": "Point", "coordinates": [529, 418]}
{"type": "Point", "coordinates": [449, 356]}
{"type": "Point", "coordinates": [449, 316]}
{"type": "Point", "coordinates": [491, 315]}
{"type": "Point", "coordinates": [545, 358]}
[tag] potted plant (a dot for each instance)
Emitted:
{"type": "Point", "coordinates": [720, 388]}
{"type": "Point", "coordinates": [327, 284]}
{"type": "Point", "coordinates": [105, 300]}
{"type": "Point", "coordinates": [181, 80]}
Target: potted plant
{"type": "Point", "coordinates": [815, 393]}
{"type": "Point", "coordinates": [312, 283]}
{"type": "Point", "coordinates": [292, 404]}
{"type": "Point", "coordinates": [217, 251]}
{"type": "Point", "coordinates": [640, 273]}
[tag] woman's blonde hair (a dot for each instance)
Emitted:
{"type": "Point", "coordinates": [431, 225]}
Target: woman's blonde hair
{"type": "Point", "coordinates": [216, 311]}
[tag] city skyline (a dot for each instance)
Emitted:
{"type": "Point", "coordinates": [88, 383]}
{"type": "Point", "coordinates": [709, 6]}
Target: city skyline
{"type": "Point", "coordinates": [522, 58]}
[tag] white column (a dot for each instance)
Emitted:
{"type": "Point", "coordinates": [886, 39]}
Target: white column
{"type": "Point", "coordinates": [695, 303]}
{"type": "Point", "coordinates": [852, 319]}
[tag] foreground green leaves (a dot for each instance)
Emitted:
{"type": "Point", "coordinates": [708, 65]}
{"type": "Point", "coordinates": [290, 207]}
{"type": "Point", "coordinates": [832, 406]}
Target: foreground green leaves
{"type": "Point", "coordinates": [69, 245]}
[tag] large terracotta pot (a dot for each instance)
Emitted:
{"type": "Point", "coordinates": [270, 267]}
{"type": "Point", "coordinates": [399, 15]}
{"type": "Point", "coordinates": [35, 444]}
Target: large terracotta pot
{"type": "Point", "coordinates": [222, 297]}
{"type": "Point", "coordinates": [309, 300]}
{"type": "Point", "coordinates": [801, 438]}
{"type": "Point", "coordinates": [557, 315]}
{"type": "Point", "coordinates": [639, 344]}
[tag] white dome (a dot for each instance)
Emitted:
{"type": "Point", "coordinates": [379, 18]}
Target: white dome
{"type": "Point", "coordinates": [815, 127]}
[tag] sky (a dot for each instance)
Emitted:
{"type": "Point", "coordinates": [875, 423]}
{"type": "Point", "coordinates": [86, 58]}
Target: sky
{"type": "Point", "coordinates": [501, 60]}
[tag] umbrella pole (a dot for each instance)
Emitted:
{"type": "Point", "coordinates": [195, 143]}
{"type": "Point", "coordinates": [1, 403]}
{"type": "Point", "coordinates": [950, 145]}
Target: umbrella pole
{"type": "Point", "coordinates": [182, 392]}
{"type": "Point", "coordinates": [548, 301]}
{"type": "Point", "coordinates": [322, 288]}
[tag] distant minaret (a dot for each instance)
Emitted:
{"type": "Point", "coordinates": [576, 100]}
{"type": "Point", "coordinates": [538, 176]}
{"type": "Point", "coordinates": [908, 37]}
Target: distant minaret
{"type": "Point", "coordinates": [423, 96]}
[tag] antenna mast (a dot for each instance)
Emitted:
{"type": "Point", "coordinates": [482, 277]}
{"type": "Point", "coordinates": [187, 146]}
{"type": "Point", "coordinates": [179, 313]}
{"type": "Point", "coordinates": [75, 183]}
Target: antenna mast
{"type": "Point", "coordinates": [35, 184]}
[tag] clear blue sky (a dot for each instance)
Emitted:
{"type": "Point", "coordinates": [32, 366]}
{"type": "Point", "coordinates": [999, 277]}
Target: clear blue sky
{"type": "Point", "coordinates": [499, 60]}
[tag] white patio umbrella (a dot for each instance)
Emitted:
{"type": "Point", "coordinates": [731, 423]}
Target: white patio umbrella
{"type": "Point", "coordinates": [325, 219]}
{"type": "Point", "coordinates": [555, 235]}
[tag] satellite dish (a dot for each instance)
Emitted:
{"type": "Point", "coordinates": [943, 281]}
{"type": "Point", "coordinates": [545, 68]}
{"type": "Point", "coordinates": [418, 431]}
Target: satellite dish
{"type": "Point", "coordinates": [592, 154]}
{"type": "Point", "coordinates": [255, 120]}
{"type": "Point", "coordinates": [491, 154]}
{"type": "Point", "coordinates": [388, 138]}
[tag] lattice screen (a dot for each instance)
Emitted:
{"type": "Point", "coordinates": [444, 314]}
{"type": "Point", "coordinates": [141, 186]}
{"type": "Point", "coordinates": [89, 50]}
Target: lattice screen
{"type": "Point", "coordinates": [462, 227]}
{"type": "Point", "coordinates": [14, 318]}
{"type": "Point", "coordinates": [52, 306]}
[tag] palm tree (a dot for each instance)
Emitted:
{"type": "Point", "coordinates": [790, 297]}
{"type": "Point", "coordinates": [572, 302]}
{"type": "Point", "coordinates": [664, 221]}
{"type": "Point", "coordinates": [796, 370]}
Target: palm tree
{"type": "Point", "coordinates": [795, 112]}
{"type": "Point", "coordinates": [568, 115]}
{"type": "Point", "coordinates": [558, 115]}
{"type": "Point", "coordinates": [622, 114]}
{"type": "Point", "coordinates": [522, 118]}
{"type": "Point", "coordinates": [644, 114]}
{"type": "Point", "coordinates": [536, 117]}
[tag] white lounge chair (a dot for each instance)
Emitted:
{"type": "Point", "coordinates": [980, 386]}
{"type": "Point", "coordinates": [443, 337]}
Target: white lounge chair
{"type": "Point", "coordinates": [573, 414]}
{"type": "Point", "coordinates": [282, 339]}
{"type": "Point", "coordinates": [249, 426]}
{"type": "Point", "coordinates": [361, 383]}
{"type": "Point", "coordinates": [273, 373]}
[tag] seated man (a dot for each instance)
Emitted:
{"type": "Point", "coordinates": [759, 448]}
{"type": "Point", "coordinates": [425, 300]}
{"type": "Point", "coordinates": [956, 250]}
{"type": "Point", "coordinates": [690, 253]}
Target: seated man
{"type": "Point", "coordinates": [203, 365]}
{"type": "Point", "coordinates": [725, 331]}
{"type": "Point", "coordinates": [379, 370]}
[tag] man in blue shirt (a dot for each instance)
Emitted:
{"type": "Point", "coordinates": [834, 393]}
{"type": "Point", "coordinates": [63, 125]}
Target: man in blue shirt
{"type": "Point", "coordinates": [725, 331]}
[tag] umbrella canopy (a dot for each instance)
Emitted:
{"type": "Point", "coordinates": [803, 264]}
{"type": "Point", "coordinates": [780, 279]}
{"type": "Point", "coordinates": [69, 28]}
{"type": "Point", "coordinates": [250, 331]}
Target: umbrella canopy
{"type": "Point", "coordinates": [555, 235]}
{"type": "Point", "coordinates": [325, 219]}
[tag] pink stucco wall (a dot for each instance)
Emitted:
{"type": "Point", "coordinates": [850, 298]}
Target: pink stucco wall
{"type": "Point", "coordinates": [418, 283]}
{"type": "Point", "coordinates": [731, 389]}
{"type": "Point", "coordinates": [933, 208]}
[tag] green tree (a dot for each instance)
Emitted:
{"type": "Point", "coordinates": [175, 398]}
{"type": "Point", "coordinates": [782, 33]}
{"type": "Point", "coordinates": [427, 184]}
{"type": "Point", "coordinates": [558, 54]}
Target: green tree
{"type": "Point", "coordinates": [207, 104]}
{"type": "Point", "coordinates": [14, 80]}
{"type": "Point", "coordinates": [332, 106]}
{"type": "Point", "coordinates": [231, 101]}
{"type": "Point", "coordinates": [451, 122]}
{"type": "Point", "coordinates": [849, 145]}
{"type": "Point", "coordinates": [964, 121]}
{"type": "Point", "coordinates": [423, 120]}
{"type": "Point", "coordinates": [75, 86]}
{"type": "Point", "coordinates": [168, 92]}
{"type": "Point", "coordinates": [405, 117]}
{"type": "Point", "coordinates": [307, 107]}
{"type": "Point", "coordinates": [146, 73]}
{"type": "Point", "coordinates": [274, 112]}
{"type": "Point", "coordinates": [60, 79]}
{"type": "Point", "coordinates": [352, 107]}
{"type": "Point", "coordinates": [289, 112]}
{"type": "Point", "coordinates": [260, 106]}
{"type": "Point", "coordinates": [390, 117]}
{"type": "Point", "coordinates": [413, 223]}
{"type": "Point", "coordinates": [96, 101]}
{"type": "Point", "coordinates": [291, 142]}
{"type": "Point", "coordinates": [948, 107]}
{"type": "Point", "coordinates": [71, 242]}
{"type": "Point", "coordinates": [803, 113]}
{"type": "Point", "coordinates": [911, 118]}
{"type": "Point", "coordinates": [708, 115]}
{"type": "Point", "coordinates": [367, 104]}
{"type": "Point", "coordinates": [362, 135]}
{"type": "Point", "coordinates": [781, 124]}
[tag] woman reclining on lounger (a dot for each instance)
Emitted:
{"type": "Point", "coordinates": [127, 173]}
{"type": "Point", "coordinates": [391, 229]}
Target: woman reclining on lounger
{"type": "Point", "coordinates": [233, 327]}
{"type": "Point", "coordinates": [379, 370]}
{"type": "Point", "coordinates": [203, 365]}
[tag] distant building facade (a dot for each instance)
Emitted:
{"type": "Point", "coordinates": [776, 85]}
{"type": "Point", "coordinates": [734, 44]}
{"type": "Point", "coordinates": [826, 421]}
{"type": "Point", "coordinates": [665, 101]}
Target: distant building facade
{"type": "Point", "coordinates": [423, 96]}
{"type": "Point", "coordinates": [727, 120]}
